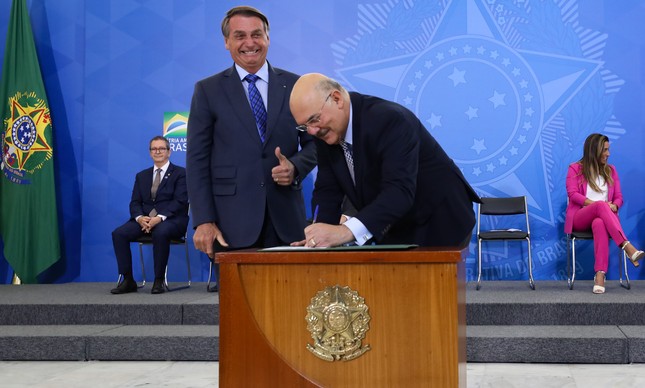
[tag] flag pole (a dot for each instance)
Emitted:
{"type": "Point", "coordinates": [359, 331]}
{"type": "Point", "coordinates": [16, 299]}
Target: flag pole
{"type": "Point", "coordinates": [15, 279]}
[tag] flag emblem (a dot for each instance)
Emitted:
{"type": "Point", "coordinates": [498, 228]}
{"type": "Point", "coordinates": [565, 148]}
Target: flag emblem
{"type": "Point", "coordinates": [27, 136]}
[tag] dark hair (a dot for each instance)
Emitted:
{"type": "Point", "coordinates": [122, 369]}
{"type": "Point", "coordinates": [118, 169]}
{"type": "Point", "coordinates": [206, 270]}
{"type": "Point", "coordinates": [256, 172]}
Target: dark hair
{"type": "Point", "coordinates": [591, 166]}
{"type": "Point", "coordinates": [243, 10]}
{"type": "Point", "coordinates": [162, 139]}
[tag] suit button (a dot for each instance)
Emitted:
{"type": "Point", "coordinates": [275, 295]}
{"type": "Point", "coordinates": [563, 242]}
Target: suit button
{"type": "Point", "coordinates": [262, 184]}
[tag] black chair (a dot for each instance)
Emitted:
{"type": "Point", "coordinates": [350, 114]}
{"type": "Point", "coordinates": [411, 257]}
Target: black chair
{"type": "Point", "coordinates": [571, 259]}
{"type": "Point", "coordinates": [147, 240]}
{"type": "Point", "coordinates": [507, 206]}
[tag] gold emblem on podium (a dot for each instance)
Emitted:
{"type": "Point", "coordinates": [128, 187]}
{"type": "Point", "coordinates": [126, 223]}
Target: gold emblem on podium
{"type": "Point", "coordinates": [337, 319]}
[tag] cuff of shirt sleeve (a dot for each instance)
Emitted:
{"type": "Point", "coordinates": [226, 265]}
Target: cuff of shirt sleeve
{"type": "Point", "coordinates": [360, 232]}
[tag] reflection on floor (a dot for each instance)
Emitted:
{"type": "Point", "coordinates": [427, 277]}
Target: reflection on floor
{"type": "Point", "coordinates": [189, 374]}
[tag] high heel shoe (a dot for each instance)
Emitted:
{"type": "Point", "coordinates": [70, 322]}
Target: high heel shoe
{"type": "Point", "coordinates": [638, 255]}
{"type": "Point", "coordinates": [598, 289]}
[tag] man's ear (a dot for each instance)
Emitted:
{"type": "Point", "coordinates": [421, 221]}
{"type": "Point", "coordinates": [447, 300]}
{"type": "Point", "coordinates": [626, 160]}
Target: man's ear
{"type": "Point", "coordinates": [337, 98]}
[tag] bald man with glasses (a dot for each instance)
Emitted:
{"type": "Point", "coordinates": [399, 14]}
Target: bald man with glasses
{"type": "Point", "coordinates": [379, 157]}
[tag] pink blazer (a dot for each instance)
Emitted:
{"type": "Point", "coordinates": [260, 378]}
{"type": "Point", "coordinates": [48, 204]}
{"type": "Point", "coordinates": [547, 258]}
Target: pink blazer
{"type": "Point", "coordinates": [577, 192]}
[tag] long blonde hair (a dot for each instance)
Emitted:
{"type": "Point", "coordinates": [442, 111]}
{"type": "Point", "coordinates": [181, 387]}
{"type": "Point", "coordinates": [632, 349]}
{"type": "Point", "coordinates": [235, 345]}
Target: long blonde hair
{"type": "Point", "coordinates": [591, 166]}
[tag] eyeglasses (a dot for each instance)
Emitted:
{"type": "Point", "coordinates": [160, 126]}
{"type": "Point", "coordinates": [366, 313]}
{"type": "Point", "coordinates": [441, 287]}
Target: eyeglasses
{"type": "Point", "coordinates": [160, 149]}
{"type": "Point", "coordinates": [315, 119]}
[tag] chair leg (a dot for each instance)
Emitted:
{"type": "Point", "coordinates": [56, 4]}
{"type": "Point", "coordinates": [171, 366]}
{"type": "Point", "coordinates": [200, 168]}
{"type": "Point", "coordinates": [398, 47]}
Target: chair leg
{"type": "Point", "coordinates": [190, 276]}
{"type": "Point", "coordinates": [568, 262]}
{"type": "Point", "coordinates": [479, 263]}
{"type": "Point", "coordinates": [573, 264]}
{"type": "Point", "coordinates": [212, 267]}
{"type": "Point", "coordinates": [165, 279]}
{"type": "Point", "coordinates": [143, 268]}
{"type": "Point", "coordinates": [531, 281]}
{"type": "Point", "coordinates": [623, 269]}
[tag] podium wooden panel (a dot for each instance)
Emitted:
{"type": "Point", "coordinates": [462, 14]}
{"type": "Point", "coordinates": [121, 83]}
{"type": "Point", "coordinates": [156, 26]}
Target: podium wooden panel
{"type": "Point", "coordinates": [416, 301]}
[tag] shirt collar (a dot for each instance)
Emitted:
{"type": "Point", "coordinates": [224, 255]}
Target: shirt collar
{"type": "Point", "coordinates": [263, 73]}
{"type": "Point", "coordinates": [349, 134]}
{"type": "Point", "coordinates": [164, 168]}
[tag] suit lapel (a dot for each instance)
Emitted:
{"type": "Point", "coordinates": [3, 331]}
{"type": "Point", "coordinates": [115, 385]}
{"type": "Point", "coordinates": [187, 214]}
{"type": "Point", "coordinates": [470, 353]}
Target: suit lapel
{"type": "Point", "coordinates": [147, 183]}
{"type": "Point", "coordinates": [276, 95]}
{"type": "Point", "coordinates": [166, 177]}
{"type": "Point", "coordinates": [357, 139]}
{"type": "Point", "coordinates": [234, 91]}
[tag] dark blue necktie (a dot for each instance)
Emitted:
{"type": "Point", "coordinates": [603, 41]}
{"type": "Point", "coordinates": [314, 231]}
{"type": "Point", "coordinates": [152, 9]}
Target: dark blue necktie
{"type": "Point", "coordinates": [255, 98]}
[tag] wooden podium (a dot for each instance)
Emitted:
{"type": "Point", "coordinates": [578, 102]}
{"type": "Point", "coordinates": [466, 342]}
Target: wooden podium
{"type": "Point", "coordinates": [416, 306]}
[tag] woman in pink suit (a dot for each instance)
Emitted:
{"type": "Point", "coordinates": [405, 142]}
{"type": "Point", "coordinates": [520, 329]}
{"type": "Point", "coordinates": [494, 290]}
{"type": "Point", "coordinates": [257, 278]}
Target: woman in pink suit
{"type": "Point", "coordinates": [594, 195]}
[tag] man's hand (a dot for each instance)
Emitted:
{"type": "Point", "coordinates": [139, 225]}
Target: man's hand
{"type": "Point", "coordinates": [144, 223]}
{"type": "Point", "coordinates": [153, 222]}
{"type": "Point", "coordinates": [283, 173]}
{"type": "Point", "coordinates": [147, 223]}
{"type": "Point", "coordinates": [326, 235]}
{"type": "Point", "coordinates": [205, 235]}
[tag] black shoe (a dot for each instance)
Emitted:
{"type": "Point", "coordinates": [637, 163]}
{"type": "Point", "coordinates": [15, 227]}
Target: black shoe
{"type": "Point", "coordinates": [158, 287]}
{"type": "Point", "coordinates": [126, 286]}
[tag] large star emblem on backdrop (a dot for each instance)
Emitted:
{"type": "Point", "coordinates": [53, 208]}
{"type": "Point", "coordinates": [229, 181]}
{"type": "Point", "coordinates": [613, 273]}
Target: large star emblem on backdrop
{"type": "Point", "coordinates": [484, 99]}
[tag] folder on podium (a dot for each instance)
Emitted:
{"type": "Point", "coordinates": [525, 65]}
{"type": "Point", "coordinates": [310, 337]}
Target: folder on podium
{"type": "Point", "coordinates": [342, 318]}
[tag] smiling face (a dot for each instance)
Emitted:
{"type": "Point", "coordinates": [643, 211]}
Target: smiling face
{"type": "Point", "coordinates": [247, 42]}
{"type": "Point", "coordinates": [160, 152]}
{"type": "Point", "coordinates": [604, 153]}
{"type": "Point", "coordinates": [322, 111]}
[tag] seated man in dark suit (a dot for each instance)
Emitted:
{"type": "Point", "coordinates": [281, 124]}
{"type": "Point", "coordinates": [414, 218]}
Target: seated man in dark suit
{"type": "Point", "coordinates": [159, 206]}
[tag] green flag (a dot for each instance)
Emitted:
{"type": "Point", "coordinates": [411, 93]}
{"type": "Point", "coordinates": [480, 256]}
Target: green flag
{"type": "Point", "coordinates": [28, 216]}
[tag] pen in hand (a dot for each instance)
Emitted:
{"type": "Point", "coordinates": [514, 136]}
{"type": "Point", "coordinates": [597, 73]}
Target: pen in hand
{"type": "Point", "coordinates": [315, 215]}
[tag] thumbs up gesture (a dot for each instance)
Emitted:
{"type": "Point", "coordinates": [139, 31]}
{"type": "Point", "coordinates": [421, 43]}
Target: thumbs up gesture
{"type": "Point", "coordinates": [284, 172]}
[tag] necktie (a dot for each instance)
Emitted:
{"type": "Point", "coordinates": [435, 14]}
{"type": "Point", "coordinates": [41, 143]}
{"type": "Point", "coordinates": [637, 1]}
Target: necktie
{"type": "Point", "coordinates": [255, 98]}
{"type": "Point", "coordinates": [155, 183]}
{"type": "Point", "coordinates": [347, 150]}
{"type": "Point", "coordinates": [153, 190]}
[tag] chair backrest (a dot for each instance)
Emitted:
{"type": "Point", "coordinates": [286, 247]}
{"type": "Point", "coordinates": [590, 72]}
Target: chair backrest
{"type": "Point", "coordinates": [502, 206]}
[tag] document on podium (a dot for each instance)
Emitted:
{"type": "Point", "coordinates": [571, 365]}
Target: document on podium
{"type": "Point", "coordinates": [384, 247]}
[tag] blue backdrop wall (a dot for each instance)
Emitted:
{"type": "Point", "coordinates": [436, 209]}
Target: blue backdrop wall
{"type": "Point", "coordinates": [511, 88]}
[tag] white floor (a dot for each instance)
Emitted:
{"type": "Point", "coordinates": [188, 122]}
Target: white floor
{"type": "Point", "coordinates": [99, 374]}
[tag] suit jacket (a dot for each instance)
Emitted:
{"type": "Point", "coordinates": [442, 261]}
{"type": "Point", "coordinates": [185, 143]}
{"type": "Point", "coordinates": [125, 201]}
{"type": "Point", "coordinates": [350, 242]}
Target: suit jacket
{"type": "Point", "coordinates": [171, 199]}
{"type": "Point", "coordinates": [407, 189]}
{"type": "Point", "coordinates": [229, 168]}
{"type": "Point", "coordinates": [577, 192]}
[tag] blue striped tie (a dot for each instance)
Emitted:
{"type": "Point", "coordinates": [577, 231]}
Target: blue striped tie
{"type": "Point", "coordinates": [255, 98]}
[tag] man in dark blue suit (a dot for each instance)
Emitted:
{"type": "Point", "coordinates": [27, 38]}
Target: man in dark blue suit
{"type": "Point", "coordinates": [245, 160]}
{"type": "Point", "coordinates": [404, 187]}
{"type": "Point", "coordinates": [159, 207]}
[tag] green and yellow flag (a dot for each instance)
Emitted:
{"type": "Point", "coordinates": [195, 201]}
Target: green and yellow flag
{"type": "Point", "coordinates": [28, 216]}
